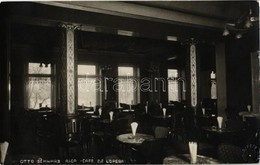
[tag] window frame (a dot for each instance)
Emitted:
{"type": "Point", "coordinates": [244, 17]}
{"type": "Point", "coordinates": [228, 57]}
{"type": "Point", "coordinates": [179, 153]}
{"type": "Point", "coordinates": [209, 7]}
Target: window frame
{"type": "Point", "coordinates": [136, 76]}
{"type": "Point", "coordinates": [52, 85]}
{"type": "Point", "coordinates": [98, 80]}
{"type": "Point", "coordinates": [179, 86]}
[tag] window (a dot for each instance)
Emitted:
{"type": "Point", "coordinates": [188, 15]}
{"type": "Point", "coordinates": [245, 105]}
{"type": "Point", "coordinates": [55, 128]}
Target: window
{"type": "Point", "coordinates": [87, 85]}
{"type": "Point", "coordinates": [39, 86]}
{"type": "Point", "coordinates": [173, 87]}
{"type": "Point", "coordinates": [128, 85]}
{"type": "Point", "coordinates": [213, 85]}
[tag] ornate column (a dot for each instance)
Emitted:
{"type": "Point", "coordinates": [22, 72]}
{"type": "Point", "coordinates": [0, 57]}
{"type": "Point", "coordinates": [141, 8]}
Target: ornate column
{"type": "Point", "coordinates": [68, 70]}
{"type": "Point", "coordinates": [193, 74]}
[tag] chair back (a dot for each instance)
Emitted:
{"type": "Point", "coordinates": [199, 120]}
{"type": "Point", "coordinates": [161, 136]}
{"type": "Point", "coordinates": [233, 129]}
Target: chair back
{"type": "Point", "coordinates": [120, 126]}
{"type": "Point", "coordinates": [71, 129]}
{"type": "Point", "coordinates": [235, 124]}
{"type": "Point", "coordinates": [161, 132]}
{"type": "Point", "coordinates": [229, 153]}
{"type": "Point", "coordinates": [46, 125]}
{"type": "Point", "coordinates": [210, 105]}
{"type": "Point", "coordinates": [153, 151]}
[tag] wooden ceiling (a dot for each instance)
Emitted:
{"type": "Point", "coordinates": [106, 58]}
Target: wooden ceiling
{"type": "Point", "coordinates": [218, 10]}
{"type": "Point", "coordinates": [202, 20]}
{"type": "Point", "coordinates": [152, 21]}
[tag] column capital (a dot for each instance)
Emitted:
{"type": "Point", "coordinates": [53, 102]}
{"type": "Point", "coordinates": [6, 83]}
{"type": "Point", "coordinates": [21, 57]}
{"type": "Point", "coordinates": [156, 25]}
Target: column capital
{"type": "Point", "coordinates": [70, 26]}
{"type": "Point", "coordinates": [190, 41]}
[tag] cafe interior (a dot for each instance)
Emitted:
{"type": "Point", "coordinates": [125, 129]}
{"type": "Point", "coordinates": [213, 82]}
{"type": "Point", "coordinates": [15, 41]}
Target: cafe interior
{"type": "Point", "coordinates": [129, 82]}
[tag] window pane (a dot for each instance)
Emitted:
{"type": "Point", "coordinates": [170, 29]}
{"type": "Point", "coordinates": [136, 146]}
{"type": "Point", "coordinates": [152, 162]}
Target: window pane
{"type": "Point", "coordinates": [126, 85]}
{"type": "Point", "coordinates": [126, 91]}
{"type": "Point", "coordinates": [38, 68]}
{"type": "Point", "coordinates": [87, 88]}
{"type": "Point", "coordinates": [86, 70]}
{"type": "Point", "coordinates": [213, 89]}
{"type": "Point", "coordinates": [173, 90]}
{"type": "Point", "coordinates": [125, 71]}
{"type": "Point", "coordinates": [172, 73]}
{"type": "Point", "coordinates": [39, 92]}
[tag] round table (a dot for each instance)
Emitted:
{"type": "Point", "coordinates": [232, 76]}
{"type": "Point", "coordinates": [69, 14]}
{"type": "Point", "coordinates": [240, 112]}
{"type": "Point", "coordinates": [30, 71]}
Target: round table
{"type": "Point", "coordinates": [220, 134]}
{"type": "Point", "coordinates": [161, 116]}
{"type": "Point", "coordinates": [90, 112]}
{"type": "Point", "coordinates": [86, 109]}
{"type": "Point", "coordinates": [128, 110]}
{"type": "Point", "coordinates": [245, 114]}
{"type": "Point", "coordinates": [138, 139]}
{"type": "Point", "coordinates": [185, 159]}
{"type": "Point", "coordinates": [217, 130]}
{"type": "Point", "coordinates": [95, 117]}
{"type": "Point", "coordinates": [206, 120]}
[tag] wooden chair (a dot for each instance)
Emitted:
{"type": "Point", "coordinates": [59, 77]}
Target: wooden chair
{"type": "Point", "coordinates": [150, 151]}
{"type": "Point", "coordinates": [161, 132]}
{"type": "Point", "coordinates": [70, 138]}
{"type": "Point", "coordinates": [229, 153]}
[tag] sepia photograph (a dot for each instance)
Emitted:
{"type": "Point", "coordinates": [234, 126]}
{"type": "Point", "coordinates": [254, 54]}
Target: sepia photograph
{"type": "Point", "coordinates": [129, 82]}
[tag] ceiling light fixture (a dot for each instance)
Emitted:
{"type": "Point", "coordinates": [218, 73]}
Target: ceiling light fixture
{"type": "Point", "coordinates": [238, 36]}
{"type": "Point", "coordinates": [241, 26]}
{"type": "Point", "coordinates": [249, 19]}
{"type": "Point", "coordinates": [225, 32]}
{"type": "Point", "coordinates": [248, 23]}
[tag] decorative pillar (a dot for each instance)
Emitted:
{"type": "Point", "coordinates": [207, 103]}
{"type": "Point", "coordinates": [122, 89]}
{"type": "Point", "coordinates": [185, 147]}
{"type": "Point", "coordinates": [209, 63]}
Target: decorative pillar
{"type": "Point", "coordinates": [68, 70]}
{"type": "Point", "coordinates": [193, 74]}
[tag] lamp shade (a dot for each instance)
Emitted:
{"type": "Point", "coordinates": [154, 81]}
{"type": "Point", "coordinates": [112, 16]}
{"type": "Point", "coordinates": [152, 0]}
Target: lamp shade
{"type": "Point", "coordinates": [225, 32]}
{"type": "Point", "coordinates": [134, 126]}
{"type": "Point", "coordinates": [238, 36]}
